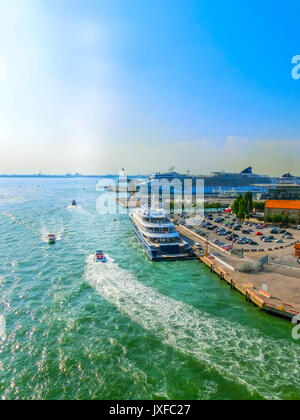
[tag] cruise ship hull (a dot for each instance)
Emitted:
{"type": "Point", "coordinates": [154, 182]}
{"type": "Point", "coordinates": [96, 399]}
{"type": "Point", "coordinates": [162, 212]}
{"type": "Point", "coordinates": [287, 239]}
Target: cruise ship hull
{"type": "Point", "coordinates": [234, 181]}
{"type": "Point", "coordinates": [218, 179]}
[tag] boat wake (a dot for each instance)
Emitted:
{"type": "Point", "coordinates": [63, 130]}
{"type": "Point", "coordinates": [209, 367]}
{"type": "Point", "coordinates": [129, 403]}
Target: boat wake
{"type": "Point", "coordinates": [79, 210]}
{"type": "Point", "coordinates": [236, 354]}
{"type": "Point", "coordinates": [46, 232]}
{"type": "Point", "coordinates": [11, 199]}
{"type": "Point", "coordinates": [78, 207]}
{"type": "Point", "coordinates": [18, 221]}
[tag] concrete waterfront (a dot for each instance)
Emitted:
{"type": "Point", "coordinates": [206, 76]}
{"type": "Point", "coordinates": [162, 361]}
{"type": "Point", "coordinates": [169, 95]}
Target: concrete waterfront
{"type": "Point", "coordinates": [282, 297]}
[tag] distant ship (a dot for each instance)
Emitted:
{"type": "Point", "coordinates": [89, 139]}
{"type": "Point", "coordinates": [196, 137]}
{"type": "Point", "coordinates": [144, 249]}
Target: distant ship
{"type": "Point", "coordinates": [242, 179]}
{"type": "Point", "coordinates": [158, 236]}
{"type": "Point", "coordinates": [169, 176]}
{"type": "Point", "coordinates": [218, 179]}
{"type": "Point", "coordinates": [289, 179]}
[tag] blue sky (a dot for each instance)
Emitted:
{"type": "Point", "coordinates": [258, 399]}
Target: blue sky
{"type": "Point", "coordinates": [93, 86]}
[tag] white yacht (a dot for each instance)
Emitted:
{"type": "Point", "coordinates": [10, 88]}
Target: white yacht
{"type": "Point", "coordinates": [158, 235]}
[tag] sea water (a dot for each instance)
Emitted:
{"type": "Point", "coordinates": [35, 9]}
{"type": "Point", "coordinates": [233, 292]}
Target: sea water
{"type": "Point", "coordinates": [128, 329]}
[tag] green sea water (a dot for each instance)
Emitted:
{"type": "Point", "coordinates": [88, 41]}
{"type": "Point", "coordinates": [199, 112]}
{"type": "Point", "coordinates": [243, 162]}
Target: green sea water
{"type": "Point", "coordinates": [129, 329]}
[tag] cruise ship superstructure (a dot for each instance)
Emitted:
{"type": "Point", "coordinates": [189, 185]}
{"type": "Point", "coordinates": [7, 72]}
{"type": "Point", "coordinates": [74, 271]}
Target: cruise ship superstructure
{"type": "Point", "coordinates": [289, 179]}
{"type": "Point", "coordinates": [158, 235]}
{"type": "Point", "coordinates": [244, 178]}
{"type": "Point", "coordinates": [216, 179]}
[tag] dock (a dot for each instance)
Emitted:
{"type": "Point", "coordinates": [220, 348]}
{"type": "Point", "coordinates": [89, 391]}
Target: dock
{"type": "Point", "coordinates": [128, 202]}
{"type": "Point", "coordinates": [282, 298]}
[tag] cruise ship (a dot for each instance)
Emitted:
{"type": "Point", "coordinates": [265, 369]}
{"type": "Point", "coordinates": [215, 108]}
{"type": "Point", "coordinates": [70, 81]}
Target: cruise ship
{"type": "Point", "coordinates": [158, 236]}
{"type": "Point", "coordinates": [289, 179]}
{"type": "Point", "coordinates": [242, 179]}
{"type": "Point", "coordinates": [216, 179]}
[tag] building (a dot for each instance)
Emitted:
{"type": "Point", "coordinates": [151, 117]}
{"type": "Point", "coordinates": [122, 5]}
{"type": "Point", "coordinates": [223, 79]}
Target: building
{"type": "Point", "coordinates": [284, 192]}
{"type": "Point", "coordinates": [289, 208]}
{"type": "Point", "coordinates": [297, 248]}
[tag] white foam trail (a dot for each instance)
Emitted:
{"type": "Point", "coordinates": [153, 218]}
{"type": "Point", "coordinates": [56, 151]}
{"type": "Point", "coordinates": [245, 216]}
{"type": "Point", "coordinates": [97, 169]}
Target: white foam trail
{"type": "Point", "coordinates": [58, 230]}
{"type": "Point", "coordinates": [75, 208]}
{"type": "Point", "coordinates": [58, 234]}
{"type": "Point", "coordinates": [264, 365]}
{"type": "Point", "coordinates": [79, 209]}
{"type": "Point", "coordinates": [18, 221]}
{"type": "Point", "coordinates": [11, 199]}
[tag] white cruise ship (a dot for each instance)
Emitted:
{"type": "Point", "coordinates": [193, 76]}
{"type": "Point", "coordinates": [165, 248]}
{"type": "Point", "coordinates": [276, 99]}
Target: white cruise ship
{"type": "Point", "coordinates": [158, 235]}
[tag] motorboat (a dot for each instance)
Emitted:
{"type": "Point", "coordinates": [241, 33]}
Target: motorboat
{"type": "Point", "coordinates": [100, 257]}
{"type": "Point", "coordinates": [74, 204]}
{"type": "Point", "coordinates": [51, 239]}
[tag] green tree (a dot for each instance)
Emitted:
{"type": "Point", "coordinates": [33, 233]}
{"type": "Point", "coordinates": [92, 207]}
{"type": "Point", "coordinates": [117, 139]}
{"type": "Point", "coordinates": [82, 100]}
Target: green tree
{"type": "Point", "coordinates": [269, 219]}
{"type": "Point", "coordinates": [236, 205]}
{"type": "Point", "coordinates": [277, 218]}
{"type": "Point", "coordinates": [286, 219]}
{"type": "Point", "coordinates": [259, 205]}
{"type": "Point", "coordinates": [242, 209]}
{"type": "Point", "coordinates": [248, 203]}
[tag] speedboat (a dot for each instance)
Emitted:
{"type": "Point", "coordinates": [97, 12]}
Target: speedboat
{"type": "Point", "coordinates": [74, 204]}
{"type": "Point", "coordinates": [51, 239]}
{"type": "Point", "coordinates": [100, 257]}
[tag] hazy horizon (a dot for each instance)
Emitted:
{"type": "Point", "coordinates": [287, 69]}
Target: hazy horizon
{"type": "Point", "coordinates": [96, 86]}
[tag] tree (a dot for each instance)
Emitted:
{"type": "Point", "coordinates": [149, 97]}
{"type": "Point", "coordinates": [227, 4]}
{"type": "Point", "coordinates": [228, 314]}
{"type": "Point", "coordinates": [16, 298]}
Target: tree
{"type": "Point", "coordinates": [248, 203]}
{"type": "Point", "coordinates": [277, 218]}
{"type": "Point", "coordinates": [286, 219]}
{"type": "Point", "coordinates": [242, 209]}
{"type": "Point", "coordinates": [259, 205]}
{"type": "Point", "coordinates": [236, 204]}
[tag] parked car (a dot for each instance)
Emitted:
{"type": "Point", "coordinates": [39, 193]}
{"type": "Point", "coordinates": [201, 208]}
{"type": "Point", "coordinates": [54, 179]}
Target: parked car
{"type": "Point", "coordinates": [267, 240]}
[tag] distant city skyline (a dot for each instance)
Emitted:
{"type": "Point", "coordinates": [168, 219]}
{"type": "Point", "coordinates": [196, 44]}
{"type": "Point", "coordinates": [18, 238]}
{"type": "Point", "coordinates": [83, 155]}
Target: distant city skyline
{"type": "Point", "coordinates": [92, 87]}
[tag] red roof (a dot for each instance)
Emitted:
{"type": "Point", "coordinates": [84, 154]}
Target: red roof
{"type": "Point", "coordinates": [297, 246]}
{"type": "Point", "coordinates": [283, 204]}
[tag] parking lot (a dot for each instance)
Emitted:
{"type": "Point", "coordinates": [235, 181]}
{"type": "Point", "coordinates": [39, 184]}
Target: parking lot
{"type": "Point", "coordinates": [228, 233]}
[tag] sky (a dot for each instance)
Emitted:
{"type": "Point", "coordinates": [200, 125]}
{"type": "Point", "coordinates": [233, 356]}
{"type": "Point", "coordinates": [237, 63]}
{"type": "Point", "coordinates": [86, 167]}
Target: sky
{"type": "Point", "coordinates": [94, 86]}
